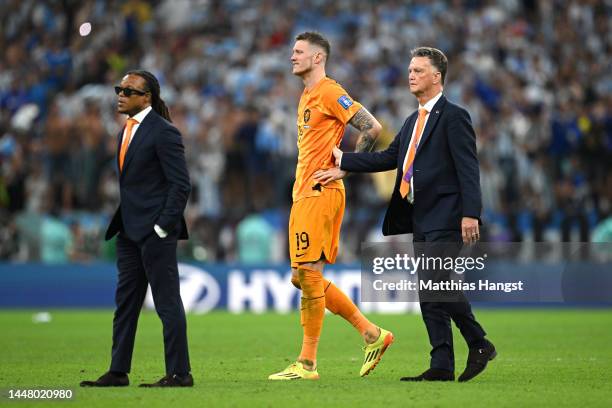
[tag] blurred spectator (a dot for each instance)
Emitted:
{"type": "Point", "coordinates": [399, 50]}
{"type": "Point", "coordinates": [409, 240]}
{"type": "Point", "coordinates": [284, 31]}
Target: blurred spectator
{"type": "Point", "coordinates": [603, 231]}
{"type": "Point", "coordinates": [255, 239]}
{"type": "Point", "coordinates": [535, 77]}
{"type": "Point", "coordinates": [55, 240]}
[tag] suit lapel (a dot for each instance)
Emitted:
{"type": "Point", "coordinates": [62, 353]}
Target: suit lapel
{"type": "Point", "coordinates": [434, 115]}
{"type": "Point", "coordinates": [406, 140]}
{"type": "Point", "coordinates": [119, 140]}
{"type": "Point", "coordinates": [137, 139]}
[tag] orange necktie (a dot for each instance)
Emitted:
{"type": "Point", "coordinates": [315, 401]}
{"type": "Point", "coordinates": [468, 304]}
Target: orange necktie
{"type": "Point", "coordinates": [405, 184]}
{"type": "Point", "coordinates": [126, 140]}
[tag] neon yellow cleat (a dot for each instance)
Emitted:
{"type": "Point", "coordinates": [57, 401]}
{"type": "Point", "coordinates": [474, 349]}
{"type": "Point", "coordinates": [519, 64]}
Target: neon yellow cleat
{"type": "Point", "coordinates": [375, 351]}
{"type": "Point", "coordinates": [295, 371]}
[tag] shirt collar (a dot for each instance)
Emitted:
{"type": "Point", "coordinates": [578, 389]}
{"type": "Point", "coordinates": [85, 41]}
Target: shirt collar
{"type": "Point", "coordinates": [431, 103]}
{"type": "Point", "coordinates": [142, 114]}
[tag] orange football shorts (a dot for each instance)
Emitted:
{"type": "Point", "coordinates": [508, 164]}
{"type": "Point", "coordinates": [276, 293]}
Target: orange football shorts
{"type": "Point", "coordinates": [314, 227]}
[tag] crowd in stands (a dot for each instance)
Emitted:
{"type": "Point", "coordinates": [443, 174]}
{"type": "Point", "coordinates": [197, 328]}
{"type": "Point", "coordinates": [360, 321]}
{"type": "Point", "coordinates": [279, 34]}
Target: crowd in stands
{"type": "Point", "coordinates": [534, 75]}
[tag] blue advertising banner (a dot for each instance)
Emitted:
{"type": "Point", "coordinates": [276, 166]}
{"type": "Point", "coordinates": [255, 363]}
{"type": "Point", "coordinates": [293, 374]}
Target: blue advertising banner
{"type": "Point", "coordinates": [204, 287]}
{"type": "Point", "coordinates": [240, 288]}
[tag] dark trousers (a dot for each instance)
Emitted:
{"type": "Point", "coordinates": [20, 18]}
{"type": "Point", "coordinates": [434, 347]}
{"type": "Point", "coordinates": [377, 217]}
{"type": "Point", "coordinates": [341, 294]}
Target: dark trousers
{"type": "Point", "coordinates": [439, 308]}
{"type": "Point", "coordinates": [151, 261]}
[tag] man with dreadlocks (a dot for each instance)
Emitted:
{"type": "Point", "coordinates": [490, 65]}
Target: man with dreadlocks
{"type": "Point", "coordinates": [154, 187]}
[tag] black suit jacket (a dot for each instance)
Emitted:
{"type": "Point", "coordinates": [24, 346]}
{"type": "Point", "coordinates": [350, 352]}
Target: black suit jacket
{"type": "Point", "coordinates": [446, 175]}
{"type": "Point", "coordinates": [154, 183]}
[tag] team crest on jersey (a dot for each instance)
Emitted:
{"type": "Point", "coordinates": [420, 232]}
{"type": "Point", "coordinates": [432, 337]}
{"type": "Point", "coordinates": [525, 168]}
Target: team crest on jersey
{"type": "Point", "coordinates": [345, 101]}
{"type": "Point", "coordinates": [306, 115]}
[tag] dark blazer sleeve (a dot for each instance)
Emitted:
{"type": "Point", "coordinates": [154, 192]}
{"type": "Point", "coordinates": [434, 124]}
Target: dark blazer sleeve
{"type": "Point", "coordinates": [462, 143]}
{"type": "Point", "coordinates": [366, 162]}
{"type": "Point", "coordinates": [171, 152]}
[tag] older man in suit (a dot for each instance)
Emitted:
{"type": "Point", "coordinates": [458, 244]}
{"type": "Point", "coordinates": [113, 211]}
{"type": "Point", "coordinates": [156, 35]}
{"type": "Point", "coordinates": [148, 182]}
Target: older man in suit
{"type": "Point", "coordinates": [437, 198]}
{"type": "Point", "coordinates": [154, 187]}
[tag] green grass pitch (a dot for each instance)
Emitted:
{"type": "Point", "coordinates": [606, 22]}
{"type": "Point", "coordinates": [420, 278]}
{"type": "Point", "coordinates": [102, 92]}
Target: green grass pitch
{"type": "Point", "coordinates": [546, 358]}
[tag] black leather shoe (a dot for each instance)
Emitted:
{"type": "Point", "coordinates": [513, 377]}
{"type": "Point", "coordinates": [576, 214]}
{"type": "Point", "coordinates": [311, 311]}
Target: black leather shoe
{"type": "Point", "coordinates": [172, 381]}
{"type": "Point", "coordinates": [433, 374]}
{"type": "Point", "coordinates": [108, 379]}
{"type": "Point", "coordinates": [477, 361]}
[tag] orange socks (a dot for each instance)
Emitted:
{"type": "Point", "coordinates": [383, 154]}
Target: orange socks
{"type": "Point", "coordinates": [312, 312]}
{"type": "Point", "coordinates": [363, 325]}
{"type": "Point", "coordinates": [317, 294]}
{"type": "Point", "coordinates": [338, 303]}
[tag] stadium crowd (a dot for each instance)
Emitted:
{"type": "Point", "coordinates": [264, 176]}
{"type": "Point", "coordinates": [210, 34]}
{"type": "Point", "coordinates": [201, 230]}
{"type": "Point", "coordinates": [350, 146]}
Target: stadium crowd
{"type": "Point", "coordinates": [534, 75]}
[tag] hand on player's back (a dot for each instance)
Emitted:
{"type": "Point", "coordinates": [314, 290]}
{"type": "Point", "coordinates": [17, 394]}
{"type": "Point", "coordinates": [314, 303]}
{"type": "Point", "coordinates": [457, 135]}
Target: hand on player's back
{"type": "Point", "coordinates": [327, 175]}
{"type": "Point", "coordinates": [324, 176]}
{"type": "Point", "coordinates": [337, 156]}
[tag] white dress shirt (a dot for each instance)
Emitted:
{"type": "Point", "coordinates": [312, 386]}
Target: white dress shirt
{"type": "Point", "coordinates": [139, 117]}
{"type": "Point", "coordinates": [428, 107]}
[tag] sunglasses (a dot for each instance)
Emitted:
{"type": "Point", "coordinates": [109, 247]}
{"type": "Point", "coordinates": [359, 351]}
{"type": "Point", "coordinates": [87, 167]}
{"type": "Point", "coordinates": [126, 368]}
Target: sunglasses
{"type": "Point", "coordinates": [129, 91]}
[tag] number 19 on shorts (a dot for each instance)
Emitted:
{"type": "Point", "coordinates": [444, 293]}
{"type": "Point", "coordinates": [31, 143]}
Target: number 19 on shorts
{"type": "Point", "coordinates": [302, 241]}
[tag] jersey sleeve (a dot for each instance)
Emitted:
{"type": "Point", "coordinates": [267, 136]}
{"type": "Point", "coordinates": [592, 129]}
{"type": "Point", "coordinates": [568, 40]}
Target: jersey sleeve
{"type": "Point", "coordinates": [339, 104]}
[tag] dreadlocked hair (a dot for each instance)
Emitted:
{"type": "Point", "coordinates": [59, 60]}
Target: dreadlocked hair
{"type": "Point", "coordinates": [157, 103]}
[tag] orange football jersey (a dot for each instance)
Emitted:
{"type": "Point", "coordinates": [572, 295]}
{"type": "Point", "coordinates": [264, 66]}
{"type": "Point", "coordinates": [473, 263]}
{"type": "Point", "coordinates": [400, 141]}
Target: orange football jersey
{"type": "Point", "coordinates": [323, 113]}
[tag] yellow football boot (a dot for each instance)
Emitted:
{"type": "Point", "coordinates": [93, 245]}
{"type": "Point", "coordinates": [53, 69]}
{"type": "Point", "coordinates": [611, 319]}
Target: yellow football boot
{"type": "Point", "coordinates": [295, 371]}
{"type": "Point", "coordinates": [375, 351]}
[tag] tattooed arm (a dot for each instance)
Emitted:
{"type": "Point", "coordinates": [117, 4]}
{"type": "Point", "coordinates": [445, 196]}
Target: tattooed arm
{"type": "Point", "coordinates": [368, 127]}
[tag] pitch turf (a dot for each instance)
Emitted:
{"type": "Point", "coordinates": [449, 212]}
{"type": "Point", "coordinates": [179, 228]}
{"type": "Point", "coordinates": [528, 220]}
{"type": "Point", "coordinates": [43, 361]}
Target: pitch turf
{"type": "Point", "coordinates": [546, 358]}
